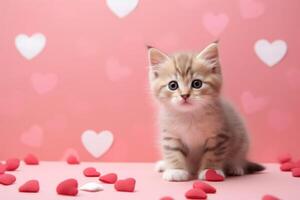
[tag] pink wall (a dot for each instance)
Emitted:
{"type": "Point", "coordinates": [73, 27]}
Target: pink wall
{"type": "Point", "coordinates": [91, 72]}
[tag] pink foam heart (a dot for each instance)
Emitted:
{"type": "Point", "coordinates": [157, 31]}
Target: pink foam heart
{"type": "Point", "coordinates": [284, 158]}
{"type": "Point", "coordinates": [115, 71]}
{"type": "Point", "coordinates": [251, 8]}
{"type": "Point", "coordinates": [252, 104]}
{"type": "Point", "coordinates": [166, 198]}
{"type": "Point", "coordinates": [269, 197]}
{"type": "Point", "coordinates": [7, 179]}
{"type": "Point", "coordinates": [296, 172]}
{"type": "Point", "coordinates": [195, 193]}
{"type": "Point", "coordinates": [68, 152]}
{"type": "Point", "coordinates": [31, 159]}
{"type": "Point", "coordinates": [12, 164]}
{"type": "Point", "coordinates": [43, 83]}
{"type": "Point", "coordinates": [68, 187]}
{"type": "Point", "coordinates": [73, 160]}
{"type": "Point", "coordinates": [215, 24]}
{"type": "Point", "coordinates": [204, 186]}
{"type": "Point", "coordinates": [30, 186]}
{"type": "Point", "coordinates": [126, 185]}
{"type": "Point", "coordinates": [91, 172]}
{"type": "Point", "coordinates": [287, 166]}
{"type": "Point", "coordinates": [33, 136]}
{"type": "Point", "coordinates": [109, 178]}
{"type": "Point", "coordinates": [212, 175]}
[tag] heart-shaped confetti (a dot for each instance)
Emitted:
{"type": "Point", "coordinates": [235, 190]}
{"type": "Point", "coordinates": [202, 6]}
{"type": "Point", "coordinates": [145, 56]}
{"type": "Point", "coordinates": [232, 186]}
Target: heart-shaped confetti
{"type": "Point", "coordinates": [91, 172]}
{"type": "Point", "coordinates": [68, 187]}
{"type": "Point", "coordinates": [110, 178]}
{"type": "Point", "coordinates": [30, 186]}
{"type": "Point", "coordinates": [212, 175]}
{"type": "Point", "coordinates": [12, 164]}
{"type": "Point", "coordinates": [7, 179]}
{"type": "Point", "coordinates": [31, 159]}
{"type": "Point", "coordinates": [126, 185]}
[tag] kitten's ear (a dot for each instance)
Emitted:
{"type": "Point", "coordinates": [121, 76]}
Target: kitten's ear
{"type": "Point", "coordinates": [211, 56]}
{"type": "Point", "coordinates": [156, 57]}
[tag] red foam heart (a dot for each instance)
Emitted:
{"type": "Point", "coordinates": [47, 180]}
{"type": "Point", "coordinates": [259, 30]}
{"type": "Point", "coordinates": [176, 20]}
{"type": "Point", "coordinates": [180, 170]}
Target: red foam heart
{"type": "Point", "coordinates": [7, 179]}
{"type": "Point", "coordinates": [12, 164]}
{"type": "Point", "coordinates": [212, 175]}
{"type": "Point", "coordinates": [126, 185]}
{"type": "Point", "coordinates": [195, 193]}
{"type": "Point", "coordinates": [284, 158]}
{"type": "Point", "coordinates": [288, 166]}
{"type": "Point", "coordinates": [270, 197]}
{"type": "Point", "coordinates": [91, 172]}
{"type": "Point", "coordinates": [296, 172]}
{"type": "Point", "coordinates": [109, 178]}
{"type": "Point", "coordinates": [72, 160]}
{"type": "Point", "coordinates": [166, 198]}
{"type": "Point", "coordinates": [2, 168]}
{"type": "Point", "coordinates": [204, 186]}
{"type": "Point", "coordinates": [31, 159]}
{"type": "Point", "coordinates": [68, 187]}
{"type": "Point", "coordinates": [30, 186]}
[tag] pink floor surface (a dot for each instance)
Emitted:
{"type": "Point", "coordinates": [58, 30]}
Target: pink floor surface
{"type": "Point", "coordinates": [149, 183]}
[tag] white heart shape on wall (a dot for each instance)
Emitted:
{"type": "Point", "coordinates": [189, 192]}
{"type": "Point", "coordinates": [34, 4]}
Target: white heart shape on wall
{"type": "Point", "coordinates": [122, 8]}
{"type": "Point", "coordinates": [97, 143]}
{"type": "Point", "coordinates": [270, 53]}
{"type": "Point", "coordinates": [30, 47]}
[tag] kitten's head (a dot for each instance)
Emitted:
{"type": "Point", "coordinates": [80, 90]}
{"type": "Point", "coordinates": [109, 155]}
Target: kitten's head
{"type": "Point", "coordinates": [185, 81]}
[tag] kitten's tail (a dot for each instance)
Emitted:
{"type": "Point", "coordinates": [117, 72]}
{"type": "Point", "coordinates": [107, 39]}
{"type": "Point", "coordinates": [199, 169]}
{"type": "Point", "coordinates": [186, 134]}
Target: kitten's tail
{"type": "Point", "coordinates": [252, 167]}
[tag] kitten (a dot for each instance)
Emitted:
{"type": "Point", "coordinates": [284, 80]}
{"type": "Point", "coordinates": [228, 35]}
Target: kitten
{"type": "Point", "coordinates": [199, 130]}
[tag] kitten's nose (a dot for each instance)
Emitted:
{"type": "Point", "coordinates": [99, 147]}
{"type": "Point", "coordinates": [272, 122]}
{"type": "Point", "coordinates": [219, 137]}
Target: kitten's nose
{"type": "Point", "coordinates": [185, 96]}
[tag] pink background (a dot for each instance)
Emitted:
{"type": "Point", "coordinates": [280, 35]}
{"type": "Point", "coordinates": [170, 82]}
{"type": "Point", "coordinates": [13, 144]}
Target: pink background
{"type": "Point", "coordinates": [92, 73]}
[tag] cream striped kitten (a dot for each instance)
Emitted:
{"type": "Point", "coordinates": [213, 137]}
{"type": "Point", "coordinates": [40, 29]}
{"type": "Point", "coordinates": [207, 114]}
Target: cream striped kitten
{"type": "Point", "coordinates": [199, 130]}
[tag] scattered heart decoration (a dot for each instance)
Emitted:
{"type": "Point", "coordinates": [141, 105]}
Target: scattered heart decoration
{"type": "Point", "coordinates": [115, 71]}
{"type": "Point", "coordinates": [43, 83]}
{"type": "Point", "coordinates": [109, 178]}
{"type": "Point", "coordinates": [126, 185]}
{"type": "Point", "coordinates": [30, 46]}
{"type": "Point", "coordinates": [251, 8]}
{"type": "Point", "coordinates": [91, 187]}
{"type": "Point", "coordinates": [122, 8]}
{"type": "Point", "coordinates": [33, 137]}
{"type": "Point", "coordinates": [12, 164]}
{"type": "Point", "coordinates": [270, 53]}
{"type": "Point", "coordinates": [97, 143]}
{"type": "Point", "coordinates": [212, 175]}
{"type": "Point", "coordinates": [30, 186]}
{"type": "Point", "coordinates": [31, 159]}
{"type": "Point", "coordinates": [252, 104]}
{"type": "Point", "coordinates": [68, 187]}
{"type": "Point", "coordinates": [7, 179]}
{"type": "Point", "coordinates": [215, 23]}
{"type": "Point", "coordinates": [91, 172]}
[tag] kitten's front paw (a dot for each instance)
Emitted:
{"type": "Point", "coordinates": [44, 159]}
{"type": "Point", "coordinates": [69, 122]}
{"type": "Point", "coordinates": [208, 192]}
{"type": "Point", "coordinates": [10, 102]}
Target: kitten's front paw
{"type": "Point", "coordinates": [176, 175]}
{"type": "Point", "coordinates": [160, 166]}
{"type": "Point", "coordinates": [211, 175]}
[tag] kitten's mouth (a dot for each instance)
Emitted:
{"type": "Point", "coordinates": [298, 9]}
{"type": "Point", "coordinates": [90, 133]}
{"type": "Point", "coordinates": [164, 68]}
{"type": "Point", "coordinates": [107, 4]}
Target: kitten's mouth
{"type": "Point", "coordinates": [185, 103]}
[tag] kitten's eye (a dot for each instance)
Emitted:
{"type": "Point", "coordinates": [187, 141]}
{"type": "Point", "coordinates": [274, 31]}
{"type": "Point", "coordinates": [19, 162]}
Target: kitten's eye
{"type": "Point", "coordinates": [173, 85]}
{"type": "Point", "coordinates": [197, 83]}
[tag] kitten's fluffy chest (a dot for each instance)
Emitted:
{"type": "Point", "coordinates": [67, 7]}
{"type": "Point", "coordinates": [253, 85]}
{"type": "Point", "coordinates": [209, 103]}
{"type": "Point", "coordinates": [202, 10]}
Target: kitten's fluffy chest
{"type": "Point", "coordinates": [191, 129]}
